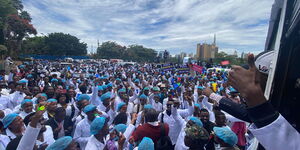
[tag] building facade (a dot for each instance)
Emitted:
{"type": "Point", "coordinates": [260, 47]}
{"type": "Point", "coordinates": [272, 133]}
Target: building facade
{"type": "Point", "coordinates": [207, 51]}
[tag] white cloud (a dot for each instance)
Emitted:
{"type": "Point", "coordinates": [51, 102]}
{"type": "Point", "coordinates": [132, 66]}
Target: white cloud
{"type": "Point", "coordinates": [176, 25]}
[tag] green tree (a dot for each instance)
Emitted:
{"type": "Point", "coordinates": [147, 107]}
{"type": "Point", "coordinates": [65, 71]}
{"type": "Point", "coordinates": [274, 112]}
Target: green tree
{"type": "Point", "coordinates": [6, 8]}
{"type": "Point", "coordinates": [111, 50]}
{"type": "Point", "coordinates": [3, 51]}
{"type": "Point", "coordinates": [34, 45]}
{"type": "Point", "coordinates": [141, 54]}
{"type": "Point", "coordinates": [64, 44]}
{"type": "Point", "coordinates": [15, 25]}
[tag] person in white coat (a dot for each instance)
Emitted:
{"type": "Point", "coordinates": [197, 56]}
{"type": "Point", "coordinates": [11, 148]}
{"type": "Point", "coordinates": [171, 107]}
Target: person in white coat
{"type": "Point", "coordinates": [99, 130]}
{"type": "Point", "coordinates": [268, 126]}
{"type": "Point", "coordinates": [26, 107]}
{"type": "Point", "coordinates": [183, 124]}
{"type": "Point", "coordinates": [82, 131]}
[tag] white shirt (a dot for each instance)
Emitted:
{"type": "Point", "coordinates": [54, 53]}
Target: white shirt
{"type": "Point", "coordinates": [82, 132]}
{"type": "Point", "coordinates": [277, 135]}
{"type": "Point", "coordinates": [157, 106]}
{"type": "Point", "coordinates": [174, 128]}
{"type": "Point", "coordinates": [94, 144]}
{"type": "Point", "coordinates": [48, 137]}
{"type": "Point", "coordinates": [4, 140]}
{"type": "Point", "coordinates": [6, 102]}
{"type": "Point", "coordinates": [16, 98]}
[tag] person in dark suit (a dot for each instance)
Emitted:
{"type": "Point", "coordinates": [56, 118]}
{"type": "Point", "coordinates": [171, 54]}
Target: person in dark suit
{"type": "Point", "coordinates": [61, 124]}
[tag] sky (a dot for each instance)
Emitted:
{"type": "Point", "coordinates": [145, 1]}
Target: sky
{"type": "Point", "coordinates": [174, 25]}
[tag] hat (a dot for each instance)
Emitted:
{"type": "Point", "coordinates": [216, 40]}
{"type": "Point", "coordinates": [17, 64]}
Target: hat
{"type": "Point", "coordinates": [146, 88]}
{"type": "Point", "coordinates": [61, 143]}
{"type": "Point", "coordinates": [122, 90]}
{"type": "Point", "coordinates": [29, 76]}
{"type": "Point", "coordinates": [148, 106]}
{"type": "Point", "coordinates": [263, 61]}
{"type": "Point", "coordinates": [226, 135]}
{"type": "Point", "coordinates": [197, 105]}
{"type": "Point", "coordinates": [146, 144]}
{"type": "Point", "coordinates": [196, 132]}
{"type": "Point", "coordinates": [97, 125]}
{"type": "Point", "coordinates": [232, 90]}
{"type": "Point", "coordinates": [200, 87]}
{"type": "Point", "coordinates": [105, 96]}
{"type": "Point", "coordinates": [26, 101]}
{"type": "Point", "coordinates": [44, 94]}
{"type": "Point", "coordinates": [120, 105]}
{"type": "Point", "coordinates": [121, 128]}
{"type": "Point", "coordinates": [143, 96]}
{"type": "Point", "coordinates": [51, 100]}
{"type": "Point", "coordinates": [54, 80]}
{"type": "Point", "coordinates": [137, 80]}
{"type": "Point", "coordinates": [109, 85]}
{"type": "Point", "coordinates": [100, 88]}
{"type": "Point", "coordinates": [118, 79]}
{"type": "Point", "coordinates": [89, 108]}
{"type": "Point", "coordinates": [104, 87]}
{"type": "Point", "coordinates": [8, 119]}
{"type": "Point", "coordinates": [83, 97]}
{"type": "Point", "coordinates": [22, 81]}
{"type": "Point", "coordinates": [155, 88]}
{"type": "Point", "coordinates": [197, 121]}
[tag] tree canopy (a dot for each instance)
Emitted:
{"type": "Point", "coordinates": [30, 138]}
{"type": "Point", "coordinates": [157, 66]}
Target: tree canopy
{"type": "Point", "coordinates": [113, 50]}
{"type": "Point", "coordinates": [55, 44]}
{"type": "Point", "coordinates": [15, 25]}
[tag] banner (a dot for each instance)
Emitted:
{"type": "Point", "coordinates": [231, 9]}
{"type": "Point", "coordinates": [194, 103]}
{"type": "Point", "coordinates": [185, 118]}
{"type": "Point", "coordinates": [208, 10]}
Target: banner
{"type": "Point", "coordinates": [197, 68]}
{"type": "Point", "coordinates": [183, 69]}
{"type": "Point", "coordinates": [167, 67]}
{"type": "Point", "coordinates": [225, 62]}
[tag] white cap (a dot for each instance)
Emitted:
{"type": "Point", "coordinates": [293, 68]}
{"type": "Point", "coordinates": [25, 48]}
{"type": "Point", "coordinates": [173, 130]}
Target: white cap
{"type": "Point", "coordinates": [263, 61]}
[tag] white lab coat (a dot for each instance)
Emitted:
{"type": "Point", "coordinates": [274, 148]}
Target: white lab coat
{"type": "Point", "coordinates": [157, 106]}
{"type": "Point", "coordinates": [174, 128]}
{"type": "Point", "coordinates": [82, 132]}
{"type": "Point", "coordinates": [28, 140]}
{"type": "Point", "coordinates": [5, 101]}
{"type": "Point", "coordinates": [16, 98]}
{"type": "Point", "coordinates": [180, 145]}
{"type": "Point", "coordinates": [4, 140]}
{"type": "Point", "coordinates": [48, 137]}
{"type": "Point", "coordinates": [279, 135]}
{"type": "Point", "coordinates": [94, 144]}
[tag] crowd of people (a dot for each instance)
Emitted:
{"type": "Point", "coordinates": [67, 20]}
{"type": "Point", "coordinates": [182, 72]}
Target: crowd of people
{"type": "Point", "coordinates": [95, 106]}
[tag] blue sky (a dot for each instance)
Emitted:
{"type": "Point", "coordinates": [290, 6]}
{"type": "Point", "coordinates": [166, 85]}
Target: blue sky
{"type": "Point", "coordinates": [175, 25]}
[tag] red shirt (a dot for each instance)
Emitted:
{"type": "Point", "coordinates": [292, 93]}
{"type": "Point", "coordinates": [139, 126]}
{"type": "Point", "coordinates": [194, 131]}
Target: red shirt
{"type": "Point", "coordinates": [147, 130]}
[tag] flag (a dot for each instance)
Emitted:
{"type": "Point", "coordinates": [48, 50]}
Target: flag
{"type": "Point", "coordinates": [197, 68]}
{"type": "Point", "coordinates": [225, 62]}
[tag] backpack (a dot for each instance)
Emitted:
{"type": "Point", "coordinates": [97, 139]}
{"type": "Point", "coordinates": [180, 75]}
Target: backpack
{"type": "Point", "coordinates": [164, 142]}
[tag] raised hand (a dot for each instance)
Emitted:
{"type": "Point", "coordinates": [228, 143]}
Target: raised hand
{"type": "Point", "coordinates": [247, 82]}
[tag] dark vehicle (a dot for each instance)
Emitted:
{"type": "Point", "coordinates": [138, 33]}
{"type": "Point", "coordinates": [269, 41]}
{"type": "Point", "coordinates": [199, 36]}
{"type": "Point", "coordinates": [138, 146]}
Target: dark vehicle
{"type": "Point", "coordinates": [283, 87]}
